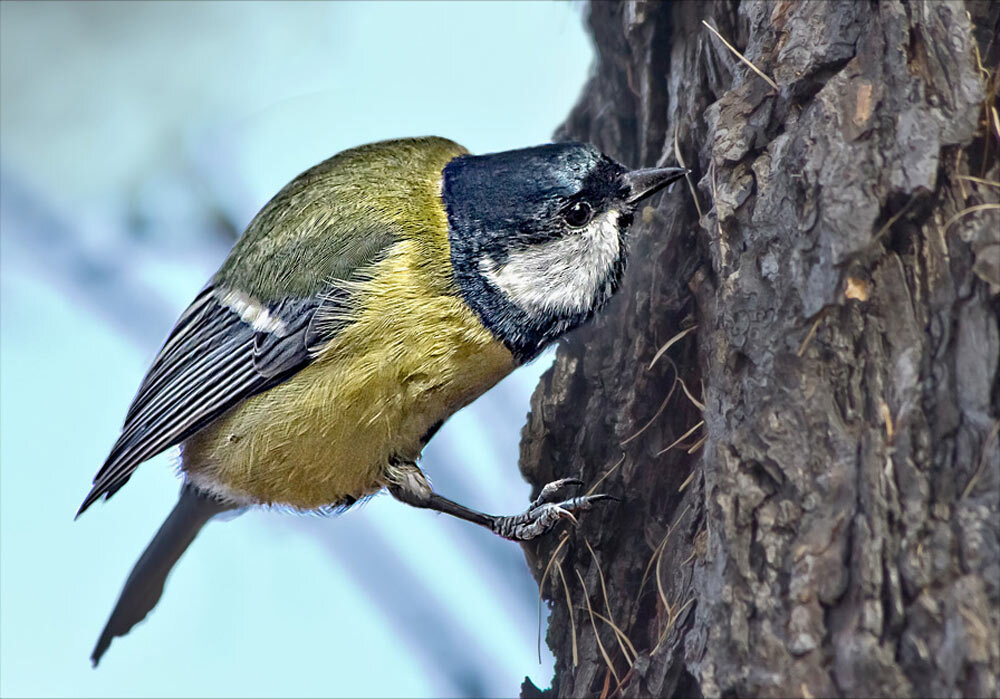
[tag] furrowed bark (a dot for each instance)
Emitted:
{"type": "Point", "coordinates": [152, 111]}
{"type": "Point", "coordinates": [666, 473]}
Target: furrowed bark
{"type": "Point", "coordinates": [831, 527]}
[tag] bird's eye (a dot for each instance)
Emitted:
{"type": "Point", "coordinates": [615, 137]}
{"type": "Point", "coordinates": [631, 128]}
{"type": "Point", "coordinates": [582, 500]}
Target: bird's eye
{"type": "Point", "coordinates": [578, 214]}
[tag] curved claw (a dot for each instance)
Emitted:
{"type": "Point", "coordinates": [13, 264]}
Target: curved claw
{"type": "Point", "coordinates": [602, 496]}
{"type": "Point", "coordinates": [550, 490]}
{"type": "Point", "coordinates": [542, 518]}
{"type": "Point", "coordinates": [563, 513]}
{"type": "Point", "coordinates": [585, 502]}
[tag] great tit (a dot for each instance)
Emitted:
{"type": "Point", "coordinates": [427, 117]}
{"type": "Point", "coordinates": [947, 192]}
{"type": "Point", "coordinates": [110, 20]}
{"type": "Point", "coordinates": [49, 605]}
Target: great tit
{"type": "Point", "coordinates": [371, 298]}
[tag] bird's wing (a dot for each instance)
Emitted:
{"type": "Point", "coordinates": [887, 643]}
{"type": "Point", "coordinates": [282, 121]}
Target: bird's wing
{"type": "Point", "coordinates": [225, 348]}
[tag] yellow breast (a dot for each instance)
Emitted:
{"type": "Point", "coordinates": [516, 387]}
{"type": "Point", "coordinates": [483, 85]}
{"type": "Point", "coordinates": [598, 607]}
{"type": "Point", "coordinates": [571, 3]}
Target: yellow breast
{"type": "Point", "coordinates": [412, 355]}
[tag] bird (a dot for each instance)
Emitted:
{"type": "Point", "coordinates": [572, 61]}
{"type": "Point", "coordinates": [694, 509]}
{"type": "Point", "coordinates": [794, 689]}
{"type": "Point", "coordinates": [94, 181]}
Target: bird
{"type": "Point", "coordinates": [372, 297]}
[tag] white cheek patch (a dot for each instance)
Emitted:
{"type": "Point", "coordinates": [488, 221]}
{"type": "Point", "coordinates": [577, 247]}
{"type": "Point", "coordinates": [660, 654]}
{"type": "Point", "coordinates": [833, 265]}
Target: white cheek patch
{"type": "Point", "coordinates": [561, 276]}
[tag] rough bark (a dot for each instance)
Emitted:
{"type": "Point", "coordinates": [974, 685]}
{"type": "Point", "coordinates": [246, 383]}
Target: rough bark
{"type": "Point", "coordinates": [837, 532]}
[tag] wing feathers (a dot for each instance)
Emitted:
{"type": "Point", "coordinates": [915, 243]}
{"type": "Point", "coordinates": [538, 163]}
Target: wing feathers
{"type": "Point", "coordinates": [227, 347]}
{"type": "Point", "coordinates": [212, 360]}
{"type": "Point", "coordinates": [194, 391]}
{"type": "Point", "coordinates": [276, 352]}
{"type": "Point", "coordinates": [188, 373]}
{"type": "Point", "coordinates": [194, 334]}
{"type": "Point", "coordinates": [169, 430]}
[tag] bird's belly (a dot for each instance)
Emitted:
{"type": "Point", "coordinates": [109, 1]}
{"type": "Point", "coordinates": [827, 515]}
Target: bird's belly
{"type": "Point", "coordinates": [327, 435]}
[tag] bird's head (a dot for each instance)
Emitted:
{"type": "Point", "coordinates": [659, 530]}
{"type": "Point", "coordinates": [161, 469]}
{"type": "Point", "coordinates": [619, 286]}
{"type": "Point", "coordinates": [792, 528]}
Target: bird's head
{"type": "Point", "coordinates": [538, 236]}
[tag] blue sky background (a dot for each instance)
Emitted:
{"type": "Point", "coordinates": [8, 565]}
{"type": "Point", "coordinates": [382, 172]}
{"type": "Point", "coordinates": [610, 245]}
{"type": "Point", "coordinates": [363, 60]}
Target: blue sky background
{"type": "Point", "coordinates": [131, 136]}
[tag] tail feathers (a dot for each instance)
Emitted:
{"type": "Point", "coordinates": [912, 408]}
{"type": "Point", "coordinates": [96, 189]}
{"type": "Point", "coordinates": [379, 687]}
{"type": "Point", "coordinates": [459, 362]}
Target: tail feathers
{"type": "Point", "coordinates": [144, 586]}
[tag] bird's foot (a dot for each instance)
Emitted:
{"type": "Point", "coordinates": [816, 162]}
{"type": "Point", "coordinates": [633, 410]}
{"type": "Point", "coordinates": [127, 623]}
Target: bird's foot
{"type": "Point", "coordinates": [545, 512]}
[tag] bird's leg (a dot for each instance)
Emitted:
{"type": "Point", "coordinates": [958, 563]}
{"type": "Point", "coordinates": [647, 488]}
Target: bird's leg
{"type": "Point", "coordinates": [408, 484]}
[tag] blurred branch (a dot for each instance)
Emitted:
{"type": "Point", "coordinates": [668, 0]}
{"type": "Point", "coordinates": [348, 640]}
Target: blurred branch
{"type": "Point", "coordinates": [105, 287]}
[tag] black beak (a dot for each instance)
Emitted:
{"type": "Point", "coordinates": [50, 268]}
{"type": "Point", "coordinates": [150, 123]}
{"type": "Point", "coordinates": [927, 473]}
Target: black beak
{"type": "Point", "coordinates": [642, 183]}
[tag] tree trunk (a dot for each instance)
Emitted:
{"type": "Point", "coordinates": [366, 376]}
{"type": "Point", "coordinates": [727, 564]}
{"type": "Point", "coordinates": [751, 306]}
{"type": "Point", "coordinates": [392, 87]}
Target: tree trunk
{"type": "Point", "coordinates": [810, 477]}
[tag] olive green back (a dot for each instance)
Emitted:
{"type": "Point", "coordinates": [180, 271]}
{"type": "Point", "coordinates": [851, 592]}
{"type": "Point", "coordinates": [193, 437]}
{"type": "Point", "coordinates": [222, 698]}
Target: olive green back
{"type": "Point", "coordinates": [339, 216]}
